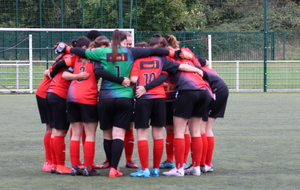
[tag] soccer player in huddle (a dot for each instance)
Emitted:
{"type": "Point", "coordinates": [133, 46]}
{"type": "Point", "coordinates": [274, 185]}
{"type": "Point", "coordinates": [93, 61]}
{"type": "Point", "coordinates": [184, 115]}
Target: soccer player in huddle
{"type": "Point", "coordinates": [190, 105]}
{"type": "Point", "coordinates": [114, 98]}
{"type": "Point", "coordinates": [44, 112]}
{"type": "Point", "coordinates": [216, 109]}
{"type": "Point", "coordinates": [150, 106]}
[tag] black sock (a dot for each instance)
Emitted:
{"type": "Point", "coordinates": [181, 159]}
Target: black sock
{"type": "Point", "coordinates": [116, 152]}
{"type": "Point", "coordinates": [107, 144]}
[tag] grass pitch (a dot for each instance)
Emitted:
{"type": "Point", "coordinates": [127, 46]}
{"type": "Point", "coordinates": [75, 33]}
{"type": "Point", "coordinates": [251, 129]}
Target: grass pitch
{"type": "Point", "coordinates": [257, 147]}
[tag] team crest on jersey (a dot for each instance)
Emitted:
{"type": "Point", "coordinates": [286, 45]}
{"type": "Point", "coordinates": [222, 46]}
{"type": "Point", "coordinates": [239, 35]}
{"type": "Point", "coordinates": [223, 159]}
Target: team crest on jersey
{"type": "Point", "coordinates": [149, 64]}
{"type": "Point", "coordinates": [120, 57]}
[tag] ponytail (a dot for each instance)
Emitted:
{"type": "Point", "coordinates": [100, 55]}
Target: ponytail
{"type": "Point", "coordinates": [173, 41]}
{"type": "Point", "coordinates": [117, 37]}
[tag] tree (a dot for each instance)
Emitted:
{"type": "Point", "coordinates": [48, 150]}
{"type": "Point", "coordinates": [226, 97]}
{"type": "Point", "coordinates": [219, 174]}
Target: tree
{"type": "Point", "coordinates": [158, 15]}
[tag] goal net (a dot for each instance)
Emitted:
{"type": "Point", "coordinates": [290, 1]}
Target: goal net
{"type": "Point", "coordinates": [25, 53]}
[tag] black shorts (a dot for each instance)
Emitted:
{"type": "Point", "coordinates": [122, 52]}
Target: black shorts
{"type": "Point", "coordinates": [169, 112]}
{"type": "Point", "coordinates": [43, 109]}
{"type": "Point", "coordinates": [115, 112]}
{"type": "Point", "coordinates": [217, 107]}
{"type": "Point", "coordinates": [133, 109]}
{"type": "Point", "coordinates": [58, 112]}
{"type": "Point", "coordinates": [150, 109]}
{"type": "Point", "coordinates": [77, 112]}
{"type": "Point", "coordinates": [191, 103]}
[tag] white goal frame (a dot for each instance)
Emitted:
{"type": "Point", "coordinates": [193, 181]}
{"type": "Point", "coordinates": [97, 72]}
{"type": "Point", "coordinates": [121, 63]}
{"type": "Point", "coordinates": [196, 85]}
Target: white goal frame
{"type": "Point", "coordinates": [29, 63]}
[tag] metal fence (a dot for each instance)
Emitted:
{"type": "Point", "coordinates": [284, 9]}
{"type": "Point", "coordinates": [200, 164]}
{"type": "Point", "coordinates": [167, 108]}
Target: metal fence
{"type": "Point", "coordinates": [236, 56]}
{"type": "Point", "coordinates": [225, 45]}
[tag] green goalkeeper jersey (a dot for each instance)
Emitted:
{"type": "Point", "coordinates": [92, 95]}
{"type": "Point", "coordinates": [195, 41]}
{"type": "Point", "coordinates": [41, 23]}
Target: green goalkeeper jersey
{"type": "Point", "coordinates": [121, 68]}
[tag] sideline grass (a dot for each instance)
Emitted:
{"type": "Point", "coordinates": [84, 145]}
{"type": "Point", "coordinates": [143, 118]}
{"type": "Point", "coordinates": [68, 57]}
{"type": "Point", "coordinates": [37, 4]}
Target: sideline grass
{"type": "Point", "coordinates": [257, 147]}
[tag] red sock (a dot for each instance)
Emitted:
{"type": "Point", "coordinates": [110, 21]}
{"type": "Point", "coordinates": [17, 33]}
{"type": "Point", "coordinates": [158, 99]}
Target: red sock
{"type": "Point", "coordinates": [47, 148]}
{"type": "Point", "coordinates": [158, 149]}
{"type": "Point", "coordinates": [60, 149]}
{"type": "Point", "coordinates": [204, 150]}
{"type": "Point", "coordinates": [83, 136]}
{"type": "Point", "coordinates": [197, 151]}
{"type": "Point", "coordinates": [129, 144]}
{"type": "Point", "coordinates": [89, 153]}
{"type": "Point", "coordinates": [179, 147]}
{"type": "Point", "coordinates": [53, 156]}
{"type": "Point", "coordinates": [170, 147]}
{"type": "Point", "coordinates": [143, 150]}
{"type": "Point", "coordinates": [75, 152]}
{"type": "Point", "coordinates": [210, 150]}
{"type": "Point", "coordinates": [187, 139]}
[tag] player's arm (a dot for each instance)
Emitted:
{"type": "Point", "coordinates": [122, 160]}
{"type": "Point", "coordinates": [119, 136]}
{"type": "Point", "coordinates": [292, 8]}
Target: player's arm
{"type": "Point", "coordinates": [56, 68]}
{"type": "Point", "coordinates": [173, 67]}
{"type": "Point", "coordinates": [146, 52]}
{"type": "Point", "coordinates": [140, 90]}
{"type": "Point", "coordinates": [69, 75]}
{"type": "Point", "coordinates": [156, 82]}
{"type": "Point", "coordinates": [134, 79]}
{"type": "Point", "coordinates": [108, 76]}
{"type": "Point", "coordinates": [78, 51]}
{"type": "Point", "coordinates": [134, 73]}
{"type": "Point", "coordinates": [100, 72]}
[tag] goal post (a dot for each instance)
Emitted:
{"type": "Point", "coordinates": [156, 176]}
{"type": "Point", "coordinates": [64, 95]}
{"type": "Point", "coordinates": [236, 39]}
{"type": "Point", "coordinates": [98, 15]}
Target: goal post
{"type": "Point", "coordinates": [26, 52]}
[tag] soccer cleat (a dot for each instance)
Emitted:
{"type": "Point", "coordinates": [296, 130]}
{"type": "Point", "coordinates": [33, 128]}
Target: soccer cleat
{"type": "Point", "coordinates": [193, 171]}
{"type": "Point", "coordinates": [76, 171]}
{"type": "Point", "coordinates": [81, 166]}
{"type": "Point", "coordinates": [185, 166]}
{"type": "Point", "coordinates": [131, 164]}
{"type": "Point", "coordinates": [62, 169]}
{"type": "Point", "coordinates": [206, 168]}
{"type": "Point", "coordinates": [95, 166]}
{"type": "Point", "coordinates": [53, 169]}
{"type": "Point", "coordinates": [114, 172]}
{"type": "Point", "coordinates": [154, 172]}
{"type": "Point", "coordinates": [47, 167]}
{"type": "Point", "coordinates": [175, 172]}
{"type": "Point", "coordinates": [93, 172]}
{"type": "Point", "coordinates": [104, 165]}
{"type": "Point", "coordinates": [141, 173]}
{"type": "Point", "coordinates": [166, 165]}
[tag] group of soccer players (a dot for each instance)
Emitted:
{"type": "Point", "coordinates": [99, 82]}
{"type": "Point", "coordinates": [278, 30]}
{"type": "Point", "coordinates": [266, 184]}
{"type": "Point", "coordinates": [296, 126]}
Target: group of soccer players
{"type": "Point", "coordinates": [160, 86]}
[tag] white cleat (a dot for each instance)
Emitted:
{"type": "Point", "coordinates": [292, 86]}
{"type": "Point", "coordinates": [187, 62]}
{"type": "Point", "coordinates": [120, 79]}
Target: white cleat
{"type": "Point", "coordinates": [206, 168]}
{"type": "Point", "coordinates": [175, 172]}
{"type": "Point", "coordinates": [193, 171]}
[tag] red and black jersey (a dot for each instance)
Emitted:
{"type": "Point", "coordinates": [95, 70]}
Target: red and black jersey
{"type": "Point", "coordinates": [41, 91]}
{"type": "Point", "coordinates": [149, 68]}
{"type": "Point", "coordinates": [216, 83]}
{"type": "Point", "coordinates": [188, 80]}
{"type": "Point", "coordinates": [83, 91]}
{"type": "Point", "coordinates": [58, 85]}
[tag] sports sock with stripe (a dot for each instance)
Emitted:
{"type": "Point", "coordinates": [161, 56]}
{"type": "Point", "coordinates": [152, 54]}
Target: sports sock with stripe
{"type": "Point", "coordinates": [75, 152]}
{"type": "Point", "coordinates": [210, 150]}
{"type": "Point", "coordinates": [129, 144]}
{"type": "Point", "coordinates": [143, 150]}
{"type": "Point", "coordinates": [89, 153]}
{"type": "Point", "coordinates": [179, 146]}
{"type": "Point", "coordinates": [47, 138]}
{"type": "Point", "coordinates": [158, 149]}
{"type": "Point", "coordinates": [170, 147]}
{"type": "Point", "coordinates": [187, 139]}
{"type": "Point", "coordinates": [197, 150]}
{"type": "Point", "coordinates": [204, 150]}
